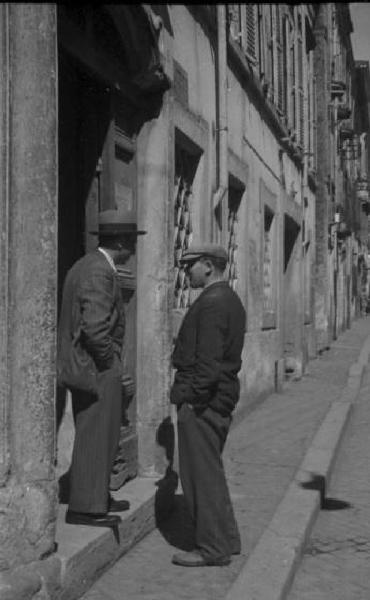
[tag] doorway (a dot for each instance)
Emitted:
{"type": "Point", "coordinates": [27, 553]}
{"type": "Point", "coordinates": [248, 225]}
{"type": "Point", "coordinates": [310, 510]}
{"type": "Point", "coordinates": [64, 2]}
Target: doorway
{"type": "Point", "coordinates": [97, 171]}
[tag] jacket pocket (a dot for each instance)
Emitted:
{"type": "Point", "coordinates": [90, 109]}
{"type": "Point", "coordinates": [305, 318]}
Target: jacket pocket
{"type": "Point", "coordinates": [76, 369]}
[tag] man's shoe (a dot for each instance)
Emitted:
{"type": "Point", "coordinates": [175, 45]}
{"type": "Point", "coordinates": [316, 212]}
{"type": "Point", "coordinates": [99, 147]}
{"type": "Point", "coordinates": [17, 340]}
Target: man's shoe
{"type": "Point", "coordinates": [195, 559]}
{"type": "Point", "coordinates": [117, 505]}
{"type": "Point", "coordinates": [92, 519]}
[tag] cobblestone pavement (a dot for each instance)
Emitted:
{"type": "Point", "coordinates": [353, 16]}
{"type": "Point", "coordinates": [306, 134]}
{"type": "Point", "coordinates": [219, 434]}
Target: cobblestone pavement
{"type": "Point", "coordinates": [261, 456]}
{"type": "Point", "coordinates": [336, 561]}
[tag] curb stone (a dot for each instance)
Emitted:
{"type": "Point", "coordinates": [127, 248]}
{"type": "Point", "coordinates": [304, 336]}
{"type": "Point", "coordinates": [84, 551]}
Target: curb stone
{"type": "Point", "coordinates": [269, 571]}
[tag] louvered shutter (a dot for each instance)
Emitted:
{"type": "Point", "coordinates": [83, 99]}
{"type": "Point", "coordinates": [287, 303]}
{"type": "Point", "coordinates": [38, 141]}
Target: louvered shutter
{"type": "Point", "coordinates": [269, 43]}
{"type": "Point", "coordinates": [251, 31]}
{"type": "Point", "coordinates": [280, 62]}
{"type": "Point", "coordinates": [261, 41]}
{"type": "Point", "coordinates": [314, 124]}
{"type": "Point", "coordinates": [292, 115]}
{"type": "Point", "coordinates": [300, 99]}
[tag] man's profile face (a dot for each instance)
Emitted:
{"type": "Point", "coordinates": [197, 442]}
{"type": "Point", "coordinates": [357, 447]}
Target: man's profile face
{"type": "Point", "coordinates": [126, 246]}
{"type": "Point", "coordinates": [196, 271]}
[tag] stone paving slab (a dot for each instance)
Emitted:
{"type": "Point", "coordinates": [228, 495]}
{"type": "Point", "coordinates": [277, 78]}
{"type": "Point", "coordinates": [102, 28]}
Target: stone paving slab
{"type": "Point", "coordinates": [269, 571]}
{"type": "Point", "coordinates": [335, 563]}
{"type": "Point", "coordinates": [262, 457]}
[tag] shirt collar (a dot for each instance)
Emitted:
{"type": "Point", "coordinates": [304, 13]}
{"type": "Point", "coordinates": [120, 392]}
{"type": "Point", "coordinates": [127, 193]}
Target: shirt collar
{"type": "Point", "coordinates": [109, 258]}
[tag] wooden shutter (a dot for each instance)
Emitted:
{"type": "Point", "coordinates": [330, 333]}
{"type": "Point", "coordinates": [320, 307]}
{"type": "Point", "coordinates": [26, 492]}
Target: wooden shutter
{"type": "Point", "coordinates": [292, 69]}
{"type": "Point", "coordinates": [234, 22]}
{"type": "Point", "coordinates": [284, 67]}
{"type": "Point", "coordinates": [314, 124]}
{"type": "Point", "coordinates": [261, 41]}
{"type": "Point", "coordinates": [269, 44]}
{"type": "Point", "coordinates": [281, 68]}
{"type": "Point", "coordinates": [251, 31]}
{"type": "Point", "coordinates": [300, 106]}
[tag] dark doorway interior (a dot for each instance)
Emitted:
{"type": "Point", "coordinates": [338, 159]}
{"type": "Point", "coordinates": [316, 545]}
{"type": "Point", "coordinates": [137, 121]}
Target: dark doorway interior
{"type": "Point", "coordinates": [97, 171]}
{"type": "Point", "coordinates": [84, 119]}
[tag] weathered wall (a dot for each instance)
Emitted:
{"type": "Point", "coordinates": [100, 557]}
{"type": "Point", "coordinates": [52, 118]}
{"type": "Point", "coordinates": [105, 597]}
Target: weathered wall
{"type": "Point", "coordinates": [28, 273]}
{"type": "Point", "coordinates": [322, 271]}
{"type": "Point", "coordinates": [153, 335]}
{"type": "Point", "coordinates": [254, 150]}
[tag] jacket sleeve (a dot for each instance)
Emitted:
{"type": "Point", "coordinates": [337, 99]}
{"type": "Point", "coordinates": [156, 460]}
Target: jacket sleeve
{"type": "Point", "coordinates": [201, 382]}
{"type": "Point", "coordinates": [96, 305]}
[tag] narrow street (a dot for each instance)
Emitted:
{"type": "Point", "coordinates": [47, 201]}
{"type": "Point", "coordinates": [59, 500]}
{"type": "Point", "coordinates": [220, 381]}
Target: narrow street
{"type": "Point", "coordinates": [335, 565]}
{"type": "Point", "coordinates": [142, 144]}
{"type": "Point", "coordinates": [262, 455]}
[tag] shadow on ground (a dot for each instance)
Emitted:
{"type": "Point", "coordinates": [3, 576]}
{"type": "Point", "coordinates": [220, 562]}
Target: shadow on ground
{"type": "Point", "coordinates": [173, 520]}
{"type": "Point", "coordinates": [176, 527]}
{"type": "Point", "coordinates": [326, 503]}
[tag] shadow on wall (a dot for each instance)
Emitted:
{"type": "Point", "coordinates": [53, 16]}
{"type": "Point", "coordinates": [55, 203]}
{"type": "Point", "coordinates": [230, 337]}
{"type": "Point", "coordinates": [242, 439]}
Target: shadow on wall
{"type": "Point", "coordinates": [165, 500]}
{"type": "Point", "coordinates": [167, 486]}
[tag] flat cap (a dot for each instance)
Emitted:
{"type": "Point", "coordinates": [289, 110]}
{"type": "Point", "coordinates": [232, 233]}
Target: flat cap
{"type": "Point", "coordinates": [204, 250]}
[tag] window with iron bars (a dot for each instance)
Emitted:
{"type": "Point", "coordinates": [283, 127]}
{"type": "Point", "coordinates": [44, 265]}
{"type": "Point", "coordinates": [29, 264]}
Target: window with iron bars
{"type": "Point", "coordinates": [235, 195]}
{"type": "Point", "coordinates": [185, 168]}
{"type": "Point", "coordinates": [269, 273]}
{"type": "Point", "coordinates": [269, 257]}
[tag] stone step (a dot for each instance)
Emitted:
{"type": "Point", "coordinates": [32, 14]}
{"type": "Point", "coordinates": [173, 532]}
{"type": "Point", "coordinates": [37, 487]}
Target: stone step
{"type": "Point", "coordinates": [86, 552]}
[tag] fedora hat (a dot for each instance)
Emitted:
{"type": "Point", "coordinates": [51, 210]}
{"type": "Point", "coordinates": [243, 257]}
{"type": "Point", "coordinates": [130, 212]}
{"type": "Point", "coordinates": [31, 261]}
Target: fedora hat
{"type": "Point", "coordinates": [113, 223]}
{"type": "Point", "coordinates": [119, 229]}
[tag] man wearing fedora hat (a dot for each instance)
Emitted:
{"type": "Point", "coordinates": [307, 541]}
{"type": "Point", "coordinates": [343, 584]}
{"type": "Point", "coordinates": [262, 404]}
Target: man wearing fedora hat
{"type": "Point", "coordinates": [90, 338]}
{"type": "Point", "coordinates": [207, 357]}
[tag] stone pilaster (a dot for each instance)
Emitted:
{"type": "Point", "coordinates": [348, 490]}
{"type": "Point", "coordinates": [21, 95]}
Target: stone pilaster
{"type": "Point", "coordinates": [154, 342]}
{"type": "Point", "coordinates": [28, 269]}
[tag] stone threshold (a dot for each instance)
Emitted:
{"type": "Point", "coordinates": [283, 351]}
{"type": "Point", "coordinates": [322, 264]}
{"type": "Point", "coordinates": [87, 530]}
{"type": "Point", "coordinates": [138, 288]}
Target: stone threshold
{"type": "Point", "coordinates": [86, 552]}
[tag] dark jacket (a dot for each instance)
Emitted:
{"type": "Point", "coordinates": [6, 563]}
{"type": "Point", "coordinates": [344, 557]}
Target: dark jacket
{"type": "Point", "coordinates": [208, 350]}
{"type": "Point", "coordinates": [92, 303]}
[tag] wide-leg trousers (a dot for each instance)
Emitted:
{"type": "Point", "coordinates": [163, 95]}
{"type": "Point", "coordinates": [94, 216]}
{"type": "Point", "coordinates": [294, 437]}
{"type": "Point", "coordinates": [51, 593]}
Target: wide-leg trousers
{"type": "Point", "coordinates": [97, 430]}
{"type": "Point", "coordinates": [201, 439]}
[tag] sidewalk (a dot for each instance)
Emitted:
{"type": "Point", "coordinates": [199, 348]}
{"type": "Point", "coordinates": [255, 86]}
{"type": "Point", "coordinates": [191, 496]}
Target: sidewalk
{"type": "Point", "coordinates": [263, 460]}
{"type": "Point", "coordinates": [335, 564]}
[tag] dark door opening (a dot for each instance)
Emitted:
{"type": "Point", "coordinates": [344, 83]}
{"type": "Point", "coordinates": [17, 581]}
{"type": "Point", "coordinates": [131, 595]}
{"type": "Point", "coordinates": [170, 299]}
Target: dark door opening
{"type": "Point", "coordinates": [95, 173]}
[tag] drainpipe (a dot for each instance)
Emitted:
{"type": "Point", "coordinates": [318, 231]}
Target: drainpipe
{"type": "Point", "coordinates": [220, 196]}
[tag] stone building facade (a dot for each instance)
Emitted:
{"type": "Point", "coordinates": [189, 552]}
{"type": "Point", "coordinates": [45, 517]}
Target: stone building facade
{"type": "Point", "coordinates": [225, 123]}
{"type": "Point", "coordinates": [341, 150]}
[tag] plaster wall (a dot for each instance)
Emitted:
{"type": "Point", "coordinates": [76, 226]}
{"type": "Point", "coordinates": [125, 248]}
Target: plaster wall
{"type": "Point", "coordinates": [193, 51]}
{"type": "Point", "coordinates": [262, 349]}
{"type": "Point", "coordinates": [252, 139]}
{"type": "Point", "coordinates": [253, 147]}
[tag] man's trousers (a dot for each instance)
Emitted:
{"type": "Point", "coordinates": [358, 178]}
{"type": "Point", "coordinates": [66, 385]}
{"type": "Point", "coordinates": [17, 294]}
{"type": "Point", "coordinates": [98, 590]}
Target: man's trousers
{"type": "Point", "coordinates": [97, 430]}
{"type": "Point", "coordinates": [201, 439]}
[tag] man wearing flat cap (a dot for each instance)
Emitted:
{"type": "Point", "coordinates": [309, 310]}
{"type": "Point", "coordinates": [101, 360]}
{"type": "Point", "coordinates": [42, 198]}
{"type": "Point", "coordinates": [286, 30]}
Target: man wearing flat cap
{"type": "Point", "coordinates": [90, 339]}
{"type": "Point", "coordinates": [207, 358]}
